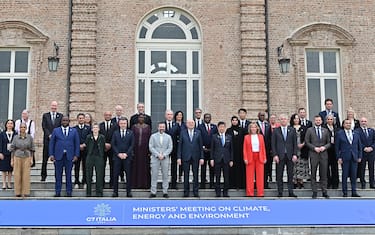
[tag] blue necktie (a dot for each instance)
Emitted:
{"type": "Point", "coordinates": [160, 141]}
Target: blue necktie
{"type": "Point", "coordinates": [222, 139]}
{"type": "Point", "coordinates": [284, 132]}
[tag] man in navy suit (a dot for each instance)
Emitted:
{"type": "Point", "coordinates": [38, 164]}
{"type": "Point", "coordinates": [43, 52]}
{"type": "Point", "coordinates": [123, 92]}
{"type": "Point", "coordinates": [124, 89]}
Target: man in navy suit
{"type": "Point", "coordinates": [284, 150]}
{"type": "Point", "coordinates": [106, 128]}
{"type": "Point", "coordinates": [207, 130]}
{"type": "Point", "coordinates": [50, 121]}
{"type": "Point", "coordinates": [190, 153]}
{"type": "Point", "coordinates": [221, 157]}
{"type": "Point", "coordinates": [265, 130]}
{"type": "Point", "coordinates": [348, 153]}
{"type": "Point", "coordinates": [83, 131]}
{"type": "Point", "coordinates": [329, 105]}
{"type": "Point", "coordinates": [63, 151]}
{"type": "Point", "coordinates": [302, 116]}
{"type": "Point", "coordinates": [122, 146]}
{"type": "Point", "coordinates": [243, 122]}
{"type": "Point", "coordinates": [171, 128]}
{"type": "Point", "coordinates": [367, 136]}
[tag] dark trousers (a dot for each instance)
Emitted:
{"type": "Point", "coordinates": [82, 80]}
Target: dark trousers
{"type": "Point", "coordinates": [118, 165]}
{"type": "Point", "coordinates": [369, 159]}
{"type": "Point", "coordinates": [108, 156]}
{"type": "Point", "coordinates": [194, 163]}
{"type": "Point", "coordinates": [349, 169]}
{"type": "Point", "coordinates": [207, 157]}
{"type": "Point", "coordinates": [333, 168]}
{"type": "Point", "coordinates": [321, 161]}
{"type": "Point", "coordinates": [77, 166]}
{"type": "Point", "coordinates": [45, 157]}
{"type": "Point", "coordinates": [66, 164]}
{"type": "Point", "coordinates": [280, 171]}
{"type": "Point", "coordinates": [98, 163]}
{"type": "Point", "coordinates": [173, 170]}
{"type": "Point", "coordinates": [221, 166]}
{"type": "Point", "coordinates": [268, 170]}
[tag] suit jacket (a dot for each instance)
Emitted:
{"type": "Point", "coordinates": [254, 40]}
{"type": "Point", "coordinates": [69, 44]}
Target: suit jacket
{"type": "Point", "coordinates": [124, 144]}
{"type": "Point", "coordinates": [172, 131]}
{"type": "Point", "coordinates": [59, 143]}
{"type": "Point", "coordinates": [90, 143]}
{"type": "Point", "coordinates": [345, 150]}
{"type": "Point", "coordinates": [312, 141]}
{"type": "Point", "coordinates": [280, 147]}
{"type": "Point", "coordinates": [187, 149]}
{"type": "Point", "coordinates": [107, 133]}
{"type": "Point", "coordinates": [4, 142]}
{"type": "Point", "coordinates": [220, 152]}
{"type": "Point", "coordinates": [83, 133]}
{"type": "Point", "coordinates": [367, 141]}
{"type": "Point", "coordinates": [47, 124]}
{"type": "Point", "coordinates": [323, 115]}
{"type": "Point", "coordinates": [308, 123]}
{"type": "Point", "coordinates": [207, 137]}
{"type": "Point", "coordinates": [134, 120]}
{"type": "Point", "coordinates": [156, 147]}
{"type": "Point", "coordinates": [267, 134]}
{"type": "Point", "coordinates": [247, 123]}
{"type": "Point", "coordinates": [248, 149]}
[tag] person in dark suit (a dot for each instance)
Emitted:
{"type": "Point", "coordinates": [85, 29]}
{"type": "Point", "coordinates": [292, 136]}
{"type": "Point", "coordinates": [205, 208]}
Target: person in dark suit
{"type": "Point", "coordinates": [50, 121]}
{"type": "Point", "coordinates": [329, 105]}
{"type": "Point", "coordinates": [333, 169]}
{"type": "Point", "coordinates": [265, 131]}
{"type": "Point", "coordinates": [140, 110]}
{"type": "Point", "coordinates": [64, 151]}
{"type": "Point", "coordinates": [95, 148]}
{"type": "Point", "coordinates": [221, 157]}
{"type": "Point", "coordinates": [122, 145]}
{"type": "Point", "coordinates": [243, 122]}
{"type": "Point", "coordinates": [198, 117]}
{"type": "Point", "coordinates": [171, 129]}
{"type": "Point", "coordinates": [367, 136]}
{"type": "Point", "coordinates": [284, 150]}
{"type": "Point", "coordinates": [106, 128]}
{"type": "Point", "coordinates": [180, 125]}
{"type": "Point", "coordinates": [317, 140]}
{"type": "Point", "coordinates": [118, 115]}
{"type": "Point", "coordinates": [83, 131]}
{"type": "Point", "coordinates": [190, 153]}
{"type": "Point", "coordinates": [302, 116]}
{"type": "Point", "coordinates": [348, 154]}
{"type": "Point", "coordinates": [207, 130]}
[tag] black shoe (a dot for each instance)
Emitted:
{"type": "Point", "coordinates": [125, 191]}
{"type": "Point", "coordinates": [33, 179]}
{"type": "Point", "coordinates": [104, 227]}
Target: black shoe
{"type": "Point", "coordinates": [186, 195]}
{"type": "Point", "coordinates": [355, 195]}
{"type": "Point", "coordinates": [152, 195]}
{"type": "Point", "coordinates": [335, 187]}
{"type": "Point", "coordinates": [363, 186]}
{"type": "Point", "coordinates": [57, 195]}
{"type": "Point", "coordinates": [19, 195]}
{"type": "Point", "coordinates": [292, 195]}
{"type": "Point", "coordinates": [196, 195]}
{"type": "Point", "coordinates": [280, 195]}
{"type": "Point", "coordinates": [314, 195]}
{"type": "Point", "coordinates": [129, 195]}
{"type": "Point", "coordinates": [43, 179]}
{"type": "Point", "coordinates": [69, 194]}
{"type": "Point", "coordinates": [115, 195]}
{"type": "Point", "coordinates": [174, 187]}
{"type": "Point", "coordinates": [344, 195]}
{"type": "Point", "coordinates": [325, 195]}
{"type": "Point", "coordinates": [372, 186]}
{"type": "Point", "coordinates": [99, 195]}
{"type": "Point", "coordinates": [165, 195]}
{"type": "Point", "coordinates": [226, 195]}
{"type": "Point", "coordinates": [218, 195]}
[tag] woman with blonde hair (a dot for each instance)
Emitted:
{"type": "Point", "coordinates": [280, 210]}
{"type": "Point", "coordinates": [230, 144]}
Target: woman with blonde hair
{"type": "Point", "coordinates": [254, 156]}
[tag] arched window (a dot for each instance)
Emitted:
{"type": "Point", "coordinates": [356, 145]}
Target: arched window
{"type": "Point", "coordinates": [168, 63]}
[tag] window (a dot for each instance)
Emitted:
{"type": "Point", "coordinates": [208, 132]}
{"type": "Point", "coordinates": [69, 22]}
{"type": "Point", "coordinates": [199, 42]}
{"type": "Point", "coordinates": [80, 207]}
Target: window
{"type": "Point", "coordinates": [323, 79]}
{"type": "Point", "coordinates": [168, 63]}
{"type": "Point", "coordinates": [14, 76]}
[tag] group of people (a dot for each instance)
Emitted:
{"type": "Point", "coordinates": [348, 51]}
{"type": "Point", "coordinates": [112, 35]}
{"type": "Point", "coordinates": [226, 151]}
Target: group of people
{"type": "Point", "coordinates": [242, 153]}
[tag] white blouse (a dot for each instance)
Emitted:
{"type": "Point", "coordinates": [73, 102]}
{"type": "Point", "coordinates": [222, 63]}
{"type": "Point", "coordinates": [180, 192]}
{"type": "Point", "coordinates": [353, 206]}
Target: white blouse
{"type": "Point", "coordinates": [255, 143]}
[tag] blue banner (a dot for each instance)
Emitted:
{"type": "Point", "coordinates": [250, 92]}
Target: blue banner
{"type": "Point", "coordinates": [186, 212]}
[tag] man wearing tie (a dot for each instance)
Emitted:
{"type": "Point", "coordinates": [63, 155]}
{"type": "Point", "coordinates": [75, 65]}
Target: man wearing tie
{"type": "Point", "coordinates": [348, 154]}
{"type": "Point", "coordinates": [317, 140]}
{"type": "Point", "coordinates": [190, 153]}
{"type": "Point", "coordinates": [198, 117]}
{"type": "Point", "coordinates": [302, 117]}
{"type": "Point", "coordinates": [284, 150]}
{"type": "Point", "coordinates": [171, 129]}
{"type": "Point", "coordinates": [106, 128]}
{"type": "Point", "coordinates": [122, 146]}
{"type": "Point", "coordinates": [221, 158]}
{"type": "Point", "coordinates": [207, 130]}
{"type": "Point", "coordinates": [118, 115]}
{"type": "Point", "coordinates": [83, 131]}
{"type": "Point", "coordinates": [50, 121]}
{"type": "Point", "coordinates": [140, 110]}
{"type": "Point", "coordinates": [329, 105]}
{"type": "Point", "coordinates": [64, 151]}
{"type": "Point", "coordinates": [244, 123]}
{"type": "Point", "coordinates": [367, 136]}
{"type": "Point", "coordinates": [265, 130]}
{"type": "Point", "coordinates": [160, 146]}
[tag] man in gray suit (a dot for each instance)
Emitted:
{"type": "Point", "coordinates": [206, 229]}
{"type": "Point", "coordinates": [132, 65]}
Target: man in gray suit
{"type": "Point", "coordinates": [160, 146]}
{"type": "Point", "coordinates": [317, 140]}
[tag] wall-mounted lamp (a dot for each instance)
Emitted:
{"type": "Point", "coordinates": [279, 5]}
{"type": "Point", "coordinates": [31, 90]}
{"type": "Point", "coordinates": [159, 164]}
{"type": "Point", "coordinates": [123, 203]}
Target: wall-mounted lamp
{"type": "Point", "coordinates": [53, 61]}
{"type": "Point", "coordinates": [284, 63]}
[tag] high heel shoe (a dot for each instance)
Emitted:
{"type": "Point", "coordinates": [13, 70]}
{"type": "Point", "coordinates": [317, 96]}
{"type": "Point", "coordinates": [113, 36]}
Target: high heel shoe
{"type": "Point", "coordinates": [4, 188]}
{"type": "Point", "coordinates": [9, 186]}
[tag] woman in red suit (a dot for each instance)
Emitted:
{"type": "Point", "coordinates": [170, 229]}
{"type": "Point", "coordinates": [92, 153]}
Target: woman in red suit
{"type": "Point", "coordinates": [254, 156]}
